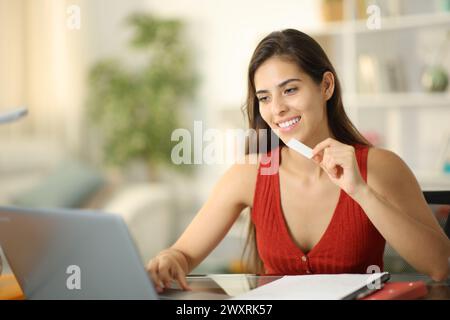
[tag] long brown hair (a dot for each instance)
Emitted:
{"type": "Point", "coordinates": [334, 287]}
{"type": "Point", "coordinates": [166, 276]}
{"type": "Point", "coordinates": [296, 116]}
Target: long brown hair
{"type": "Point", "coordinates": [309, 56]}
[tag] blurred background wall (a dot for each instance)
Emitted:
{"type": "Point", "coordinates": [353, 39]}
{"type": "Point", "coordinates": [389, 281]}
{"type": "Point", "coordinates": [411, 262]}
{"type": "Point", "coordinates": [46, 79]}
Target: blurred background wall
{"type": "Point", "coordinates": [392, 78]}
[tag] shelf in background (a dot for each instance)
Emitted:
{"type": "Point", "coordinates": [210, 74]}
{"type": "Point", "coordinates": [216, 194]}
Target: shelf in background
{"type": "Point", "coordinates": [398, 100]}
{"type": "Point", "coordinates": [406, 22]}
{"type": "Point", "coordinates": [387, 24]}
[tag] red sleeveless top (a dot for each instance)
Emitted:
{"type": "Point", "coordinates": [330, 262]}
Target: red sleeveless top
{"type": "Point", "coordinates": [350, 244]}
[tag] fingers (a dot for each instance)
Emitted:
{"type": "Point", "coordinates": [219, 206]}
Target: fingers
{"type": "Point", "coordinates": [324, 144]}
{"type": "Point", "coordinates": [164, 275]}
{"type": "Point", "coordinates": [163, 270]}
{"type": "Point", "coordinates": [331, 145]}
{"type": "Point", "coordinates": [181, 277]}
{"type": "Point", "coordinates": [334, 163]}
{"type": "Point", "coordinates": [339, 153]}
{"type": "Point", "coordinates": [159, 274]}
{"type": "Point", "coordinates": [330, 166]}
{"type": "Point", "coordinates": [153, 272]}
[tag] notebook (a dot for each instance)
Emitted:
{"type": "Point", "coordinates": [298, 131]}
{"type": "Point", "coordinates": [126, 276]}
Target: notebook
{"type": "Point", "coordinates": [318, 287]}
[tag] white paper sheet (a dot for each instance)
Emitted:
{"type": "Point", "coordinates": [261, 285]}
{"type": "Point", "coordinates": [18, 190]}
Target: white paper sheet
{"type": "Point", "coordinates": [312, 287]}
{"type": "Point", "coordinates": [232, 284]}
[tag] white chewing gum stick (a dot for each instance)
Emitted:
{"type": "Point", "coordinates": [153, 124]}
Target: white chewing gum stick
{"type": "Point", "coordinates": [300, 148]}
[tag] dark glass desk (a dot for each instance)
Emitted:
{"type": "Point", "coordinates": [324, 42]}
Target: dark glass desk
{"type": "Point", "coordinates": [222, 286]}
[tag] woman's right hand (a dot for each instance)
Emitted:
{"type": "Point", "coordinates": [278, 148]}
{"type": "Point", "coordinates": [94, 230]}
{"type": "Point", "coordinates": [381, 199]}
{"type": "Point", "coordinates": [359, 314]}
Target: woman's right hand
{"type": "Point", "coordinates": [169, 265]}
{"type": "Point", "coordinates": [233, 193]}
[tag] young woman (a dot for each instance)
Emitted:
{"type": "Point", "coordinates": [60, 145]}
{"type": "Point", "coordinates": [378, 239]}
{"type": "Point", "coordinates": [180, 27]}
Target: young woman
{"type": "Point", "coordinates": [330, 214]}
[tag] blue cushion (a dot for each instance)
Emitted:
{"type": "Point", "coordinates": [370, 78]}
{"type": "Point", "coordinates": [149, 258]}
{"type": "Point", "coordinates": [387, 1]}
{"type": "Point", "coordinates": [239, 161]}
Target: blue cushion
{"type": "Point", "coordinates": [70, 185]}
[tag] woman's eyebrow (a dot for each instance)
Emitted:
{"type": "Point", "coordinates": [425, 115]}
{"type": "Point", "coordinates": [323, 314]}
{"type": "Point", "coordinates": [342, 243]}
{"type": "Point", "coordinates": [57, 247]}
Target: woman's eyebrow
{"type": "Point", "coordinates": [285, 82]}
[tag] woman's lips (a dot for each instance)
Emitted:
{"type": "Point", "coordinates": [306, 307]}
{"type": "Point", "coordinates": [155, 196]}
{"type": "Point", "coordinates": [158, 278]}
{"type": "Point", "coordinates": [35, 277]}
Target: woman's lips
{"type": "Point", "coordinates": [290, 127]}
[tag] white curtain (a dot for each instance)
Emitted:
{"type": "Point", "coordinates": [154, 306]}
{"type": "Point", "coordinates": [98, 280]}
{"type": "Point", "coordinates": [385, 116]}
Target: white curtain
{"type": "Point", "coordinates": [42, 66]}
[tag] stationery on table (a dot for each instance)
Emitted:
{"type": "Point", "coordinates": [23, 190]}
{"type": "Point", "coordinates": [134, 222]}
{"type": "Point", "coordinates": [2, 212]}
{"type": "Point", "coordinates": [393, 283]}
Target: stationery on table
{"type": "Point", "coordinates": [318, 287]}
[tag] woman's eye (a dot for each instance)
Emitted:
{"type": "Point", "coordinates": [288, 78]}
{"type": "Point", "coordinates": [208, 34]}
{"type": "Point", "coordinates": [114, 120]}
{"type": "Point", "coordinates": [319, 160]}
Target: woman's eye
{"type": "Point", "coordinates": [262, 99]}
{"type": "Point", "coordinates": [290, 90]}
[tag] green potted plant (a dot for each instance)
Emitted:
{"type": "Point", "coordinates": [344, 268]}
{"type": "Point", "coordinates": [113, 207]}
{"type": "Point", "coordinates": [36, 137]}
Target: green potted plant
{"type": "Point", "coordinates": [135, 111]}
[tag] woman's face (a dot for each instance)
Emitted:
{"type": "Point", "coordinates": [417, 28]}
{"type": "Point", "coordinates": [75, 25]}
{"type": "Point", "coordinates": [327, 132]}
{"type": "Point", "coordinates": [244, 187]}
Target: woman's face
{"type": "Point", "coordinates": [290, 102]}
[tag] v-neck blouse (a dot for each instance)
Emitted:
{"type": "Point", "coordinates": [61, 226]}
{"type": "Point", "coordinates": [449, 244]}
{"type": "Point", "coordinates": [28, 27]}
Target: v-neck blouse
{"type": "Point", "coordinates": [349, 244]}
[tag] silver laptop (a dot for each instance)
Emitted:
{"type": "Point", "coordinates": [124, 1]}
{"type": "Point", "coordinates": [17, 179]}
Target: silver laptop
{"type": "Point", "coordinates": [72, 254]}
{"type": "Point", "coordinates": [78, 254]}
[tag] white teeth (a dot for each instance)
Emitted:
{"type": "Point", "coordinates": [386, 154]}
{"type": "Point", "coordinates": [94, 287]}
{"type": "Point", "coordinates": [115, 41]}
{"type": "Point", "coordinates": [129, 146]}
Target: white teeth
{"type": "Point", "coordinates": [289, 123]}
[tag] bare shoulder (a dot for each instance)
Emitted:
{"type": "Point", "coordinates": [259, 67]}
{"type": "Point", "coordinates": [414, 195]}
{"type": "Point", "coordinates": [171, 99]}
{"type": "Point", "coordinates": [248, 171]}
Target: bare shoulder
{"type": "Point", "coordinates": [242, 176]}
{"type": "Point", "coordinates": [391, 177]}
{"type": "Point", "coordinates": [387, 166]}
{"type": "Point", "coordinates": [384, 164]}
{"type": "Point", "coordinates": [381, 158]}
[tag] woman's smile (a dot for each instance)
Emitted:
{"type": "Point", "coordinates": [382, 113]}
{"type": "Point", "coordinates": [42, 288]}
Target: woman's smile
{"type": "Point", "coordinates": [289, 124]}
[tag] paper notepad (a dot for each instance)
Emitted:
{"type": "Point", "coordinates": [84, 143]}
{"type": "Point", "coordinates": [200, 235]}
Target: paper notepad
{"type": "Point", "coordinates": [316, 287]}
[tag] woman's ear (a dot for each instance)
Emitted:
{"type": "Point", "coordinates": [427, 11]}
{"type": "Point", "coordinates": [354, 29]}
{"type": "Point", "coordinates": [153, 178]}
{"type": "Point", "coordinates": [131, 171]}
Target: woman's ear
{"type": "Point", "coordinates": [328, 85]}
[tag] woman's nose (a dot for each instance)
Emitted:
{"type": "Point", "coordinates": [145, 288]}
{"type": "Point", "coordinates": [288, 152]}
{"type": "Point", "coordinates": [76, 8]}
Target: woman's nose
{"type": "Point", "coordinates": [278, 105]}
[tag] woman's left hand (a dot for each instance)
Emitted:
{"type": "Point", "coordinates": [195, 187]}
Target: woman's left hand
{"type": "Point", "coordinates": [338, 160]}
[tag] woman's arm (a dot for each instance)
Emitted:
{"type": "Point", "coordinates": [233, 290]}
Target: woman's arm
{"type": "Point", "coordinates": [233, 192]}
{"type": "Point", "coordinates": [394, 202]}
